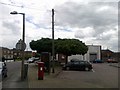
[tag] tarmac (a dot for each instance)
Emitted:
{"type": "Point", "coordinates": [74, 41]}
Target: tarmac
{"type": "Point", "coordinates": [115, 65]}
{"type": "Point", "coordinates": [52, 81]}
{"type": "Point", "coordinates": [49, 81]}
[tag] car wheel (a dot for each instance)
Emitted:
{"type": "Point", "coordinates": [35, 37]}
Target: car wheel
{"type": "Point", "coordinates": [5, 75]}
{"type": "Point", "coordinates": [86, 69]}
{"type": "Point", "coordinates": [67, 68]}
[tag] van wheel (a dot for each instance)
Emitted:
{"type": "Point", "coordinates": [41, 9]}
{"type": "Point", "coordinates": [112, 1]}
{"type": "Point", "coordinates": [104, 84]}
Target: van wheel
{"type": "Point", "coordinates": [67, 68]}
{"type": "Point", "coordinates": [86, 69]}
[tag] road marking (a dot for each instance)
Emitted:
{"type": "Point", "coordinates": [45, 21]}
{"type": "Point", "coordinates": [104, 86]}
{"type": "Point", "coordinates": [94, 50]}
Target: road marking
{"type": "Point", "coordinates": [9, 61]}
{"type": "Point", "coordinates": [0, 85]}
{"type": "Point", "coordinates": [93, 70]}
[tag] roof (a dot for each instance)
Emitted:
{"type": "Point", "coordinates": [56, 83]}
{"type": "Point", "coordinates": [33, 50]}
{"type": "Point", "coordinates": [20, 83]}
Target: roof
{"type": "Point", "coordinates": [107, 50]}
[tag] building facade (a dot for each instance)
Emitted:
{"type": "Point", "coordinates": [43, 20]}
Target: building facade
{"type": "Point", "coordinates": [6, 53]}
{"type": "Point", "coordinates": [94, 52]}
{"type": "Point", "coordinates": [108, 54]}
{"type": "Point", "coordinates": [9, 54]}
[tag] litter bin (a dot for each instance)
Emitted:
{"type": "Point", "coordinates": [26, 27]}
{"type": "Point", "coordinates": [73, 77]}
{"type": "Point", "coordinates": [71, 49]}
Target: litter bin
{"type": "Point", "coordinates": [40, 70]}
{"type": "Point", "coordinates": [25, 70]}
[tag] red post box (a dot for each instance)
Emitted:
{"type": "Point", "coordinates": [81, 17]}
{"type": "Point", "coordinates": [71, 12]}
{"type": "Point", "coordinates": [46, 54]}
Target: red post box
{"type": "Point", "coordinates": [40, 70]}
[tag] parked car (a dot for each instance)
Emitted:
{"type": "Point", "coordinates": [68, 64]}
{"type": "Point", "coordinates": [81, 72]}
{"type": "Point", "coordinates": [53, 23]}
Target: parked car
{"type": "Point", "coordinates": [36, 62]}
{"type": "Point", "coordinates": [78, 65]}
{"type": "Point", "coordinates": [97, 61]}
{"type": "Point", "coordinates": [32, 59]}
{"type": "Point", "coordinates": [3, 70]}
{"type": "Point", "coordinates": [112, 61]}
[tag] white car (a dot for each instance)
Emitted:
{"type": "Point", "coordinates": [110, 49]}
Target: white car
{"type": "Point", "coordinates": [31, 60]}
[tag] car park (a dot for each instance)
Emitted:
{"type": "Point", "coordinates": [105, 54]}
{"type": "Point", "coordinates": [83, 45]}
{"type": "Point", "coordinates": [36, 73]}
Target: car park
{"type": "Point", "coordinates": [3, 70]}
{"type": "Point", "coordinates": [78, 65]}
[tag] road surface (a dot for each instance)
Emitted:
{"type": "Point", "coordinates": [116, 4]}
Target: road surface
{"type": "Point", "coordinates": [14, 76]}
{"type": "Point", "coordinates": [102, 75]}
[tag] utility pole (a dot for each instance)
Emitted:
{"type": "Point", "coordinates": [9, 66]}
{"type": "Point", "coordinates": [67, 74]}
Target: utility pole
{"type": "Point", "coordinates": [53, 51]}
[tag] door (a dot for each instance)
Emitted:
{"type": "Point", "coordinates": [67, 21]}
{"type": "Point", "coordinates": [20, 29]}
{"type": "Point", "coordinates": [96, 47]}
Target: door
{"type": "Point", "coordinates": [82, 65]}
{"type": "Point", "coordinates": [76, 65]}
{"type": "Point", "coordinates": [93, 56]}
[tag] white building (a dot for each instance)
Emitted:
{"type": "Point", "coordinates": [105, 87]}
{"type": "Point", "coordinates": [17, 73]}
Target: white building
{"type": "Point", "coordinates": [94, 52]}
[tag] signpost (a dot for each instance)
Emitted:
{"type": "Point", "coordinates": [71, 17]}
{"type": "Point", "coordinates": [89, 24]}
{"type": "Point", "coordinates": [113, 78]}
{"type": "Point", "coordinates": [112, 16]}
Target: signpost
{"type": "Point", "coordinates": [21, 45]}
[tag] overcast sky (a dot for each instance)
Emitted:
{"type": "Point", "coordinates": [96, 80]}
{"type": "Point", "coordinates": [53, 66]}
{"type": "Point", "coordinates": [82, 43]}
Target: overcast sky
{"type": "Point", "coordinates": [91, 22]}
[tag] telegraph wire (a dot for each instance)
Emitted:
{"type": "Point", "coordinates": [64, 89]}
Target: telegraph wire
{"type": "Point", "coordinates": [9, 4]}
{"type": "Point", "coordinates": [21, 6]}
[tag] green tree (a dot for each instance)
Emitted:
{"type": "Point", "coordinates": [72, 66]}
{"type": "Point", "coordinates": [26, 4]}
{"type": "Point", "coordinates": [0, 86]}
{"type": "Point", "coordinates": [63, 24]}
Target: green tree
{"type": "Point", "coordinates": [64, 46]}
{"type": "Point", "coordinates": [70, 46]}
{"type": "Point", "coordinates": [41, 45]}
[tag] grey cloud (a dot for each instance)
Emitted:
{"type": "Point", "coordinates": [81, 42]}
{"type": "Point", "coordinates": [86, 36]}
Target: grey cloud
{"type": "Point", "coordinates": [103, 37]}
{"type": "Point", "coordinates": [79, 35]}
{"type": "Point", "coordinates": [93, 15]}
{"type": "Point", "coordinates": [86, 15]}
{"type": "Point", "coordinates": [113, 44]}
{"type": "Point", "coordinates": [11, 26]}
{"type": "Point", "coordinates": [6, 22]}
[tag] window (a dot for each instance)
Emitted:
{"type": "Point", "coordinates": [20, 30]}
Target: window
{"type": "Point", "coordinates": [76, 63]}
{"type": "Point", "coordinates": [8, 51]}
{"type": "Point", "coordinates": [87, 62]}
{"type": "Point", "coordinates": [82, 62]}
{"type": "Point", "coordinates": [11, 52]}
{"type": "Point", "coordinates": [11, 56]}
{"type": "Point", "coordinates": [4, 51]}
{"type": "Point", "coordinates": [15, 53]}
{"type": "Point", "coordinates": [5, 56]}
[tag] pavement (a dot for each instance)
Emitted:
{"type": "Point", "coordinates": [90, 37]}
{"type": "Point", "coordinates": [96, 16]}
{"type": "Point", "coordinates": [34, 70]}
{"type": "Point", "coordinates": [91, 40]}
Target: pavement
{"type": "Point", "coordinates": [49, 81]}
{"type": "Point", "coordinates": [115, 65]}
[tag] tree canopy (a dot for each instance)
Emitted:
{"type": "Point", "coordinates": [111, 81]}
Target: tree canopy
{"type": "Point", "coordinates": [42, 45]}
{"type": "Point", "coordinates": [64, 46]}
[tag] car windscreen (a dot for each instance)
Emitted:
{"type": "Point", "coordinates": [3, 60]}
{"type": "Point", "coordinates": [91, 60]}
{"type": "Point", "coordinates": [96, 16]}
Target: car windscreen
{"type": "Point", "coordinates": [76, 63]}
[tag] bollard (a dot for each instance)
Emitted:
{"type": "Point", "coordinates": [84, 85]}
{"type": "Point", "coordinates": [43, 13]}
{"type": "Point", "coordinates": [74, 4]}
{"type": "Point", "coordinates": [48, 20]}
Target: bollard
{"type": "Point", "coordinates": [25, 70]}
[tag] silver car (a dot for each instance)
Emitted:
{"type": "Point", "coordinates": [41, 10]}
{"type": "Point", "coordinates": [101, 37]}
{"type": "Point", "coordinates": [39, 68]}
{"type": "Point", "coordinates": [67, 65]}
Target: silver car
{"type": "Point", "coordinates": [3, 70]}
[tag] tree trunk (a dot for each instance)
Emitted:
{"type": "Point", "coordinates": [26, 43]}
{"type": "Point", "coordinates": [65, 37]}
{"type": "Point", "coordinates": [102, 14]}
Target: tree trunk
{"type": "Point", "coordinates": [66, 59]}
{"type": "Point", "coordinates": [83, 57]}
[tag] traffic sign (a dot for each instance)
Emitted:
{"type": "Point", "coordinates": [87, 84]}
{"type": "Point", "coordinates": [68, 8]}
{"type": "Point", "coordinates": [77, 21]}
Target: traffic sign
{"type": "Point", "coordinates": [21, 45]}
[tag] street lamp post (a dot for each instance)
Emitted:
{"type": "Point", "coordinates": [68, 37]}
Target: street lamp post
{"type": "Point", "coordinates": [23, 39]}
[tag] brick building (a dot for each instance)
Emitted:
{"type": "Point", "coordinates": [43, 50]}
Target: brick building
{"type": "Point", "coordinates": [13, 53]}
{"type": "Point", "coordinates": [108, 54]}
{"type": "Point", "coordinates": [6, 53]}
